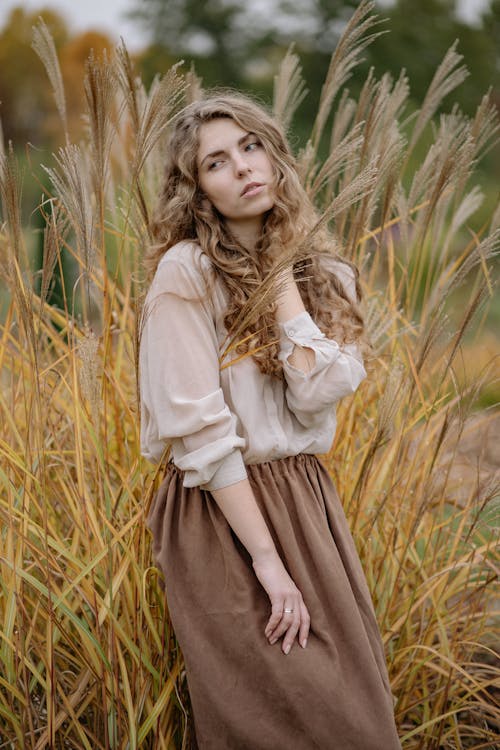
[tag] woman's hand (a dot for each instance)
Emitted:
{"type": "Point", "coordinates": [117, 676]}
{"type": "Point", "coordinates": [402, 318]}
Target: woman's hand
{"type": "Point", "coordinates": [238, 504]}
{"type": "Point", "coordinates": [289, 614]}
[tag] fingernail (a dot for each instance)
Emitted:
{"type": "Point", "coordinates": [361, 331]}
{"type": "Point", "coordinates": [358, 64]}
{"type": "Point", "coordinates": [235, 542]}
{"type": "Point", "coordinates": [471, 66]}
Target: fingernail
{"type": "Point", "coordinates": [273, 640]}
{"type": "Point", "coordinates": [287, 649]}
{"type": "Point", "coordinates": [304, 643]}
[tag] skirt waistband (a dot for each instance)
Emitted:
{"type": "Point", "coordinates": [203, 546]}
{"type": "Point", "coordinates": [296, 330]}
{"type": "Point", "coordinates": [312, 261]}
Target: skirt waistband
{"type": "Point", "coordinates": [284, 463]}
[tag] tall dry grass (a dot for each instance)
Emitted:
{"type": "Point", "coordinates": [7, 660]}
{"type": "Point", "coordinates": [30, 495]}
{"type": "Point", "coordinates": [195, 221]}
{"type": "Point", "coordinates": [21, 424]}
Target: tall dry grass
{"type": "Point", "coordinates": [87, 655]}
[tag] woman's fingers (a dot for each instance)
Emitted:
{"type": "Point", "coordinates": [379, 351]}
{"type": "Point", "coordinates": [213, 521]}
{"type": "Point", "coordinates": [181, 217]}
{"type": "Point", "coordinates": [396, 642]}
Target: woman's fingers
{"type": "Point", "coordinates": [289, 615]}
{"type": "Point", "coordinates": [290, 633]}
{"type": "Point", "coordinates": [305, 623]}
{"type": "Point", "coordinates": [284, 621]}
{"type": "Point", "coordinates": [275, 619]}
{"type": "Point", "coordinates": [288, 620]}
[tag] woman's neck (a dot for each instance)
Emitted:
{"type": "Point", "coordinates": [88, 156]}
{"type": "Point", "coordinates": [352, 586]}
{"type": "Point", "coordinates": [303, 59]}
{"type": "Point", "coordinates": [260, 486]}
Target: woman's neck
{"type": "Point", "coordinates": [246, 234]}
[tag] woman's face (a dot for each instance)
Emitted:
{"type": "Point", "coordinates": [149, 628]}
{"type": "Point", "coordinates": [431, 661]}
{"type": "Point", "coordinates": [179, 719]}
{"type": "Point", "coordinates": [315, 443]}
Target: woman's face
{"type": "Point", "coordinates": [236, 175]}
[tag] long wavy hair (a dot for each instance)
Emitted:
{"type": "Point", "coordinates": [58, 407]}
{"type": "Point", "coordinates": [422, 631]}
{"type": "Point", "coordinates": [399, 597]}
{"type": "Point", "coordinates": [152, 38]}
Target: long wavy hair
{"type": "Point", "coordinates": [184, 213]}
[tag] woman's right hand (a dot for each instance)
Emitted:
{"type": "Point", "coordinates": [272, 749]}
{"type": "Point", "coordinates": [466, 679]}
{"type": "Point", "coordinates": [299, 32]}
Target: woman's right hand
{"type": "Point", "coordinates": [238, 504]}
{"type": "Point", "coordinates": [284, 595]}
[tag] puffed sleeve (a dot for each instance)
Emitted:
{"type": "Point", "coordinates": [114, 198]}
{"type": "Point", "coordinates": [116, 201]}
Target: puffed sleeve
{"type": "Point", "coordinates": [337, 370]}
{"type": "Point", "coordinates": [181, 399]}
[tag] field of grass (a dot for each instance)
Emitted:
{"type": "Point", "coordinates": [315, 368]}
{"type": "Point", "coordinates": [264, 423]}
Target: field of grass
{"type": "Point", "coordinates": [88, 658]}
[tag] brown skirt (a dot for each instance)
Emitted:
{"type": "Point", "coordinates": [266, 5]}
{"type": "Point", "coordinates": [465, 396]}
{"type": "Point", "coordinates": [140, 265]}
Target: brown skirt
{"type": "Point", "coordinates": [245, 693]}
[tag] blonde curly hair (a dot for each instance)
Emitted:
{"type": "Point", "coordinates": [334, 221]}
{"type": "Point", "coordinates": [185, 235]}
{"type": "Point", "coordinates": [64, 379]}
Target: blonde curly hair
{"type": "Point", "coordinates": [182, 213]}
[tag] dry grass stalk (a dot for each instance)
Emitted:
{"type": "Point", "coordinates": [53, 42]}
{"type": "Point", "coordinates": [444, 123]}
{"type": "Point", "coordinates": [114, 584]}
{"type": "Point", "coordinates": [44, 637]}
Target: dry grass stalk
{"type": "Point", "coordinates": [99, 87]}
{"type": "Point", "coordinates": [53, 232]}
{"type": "Point", "coordinates": [289, 89]}
{"type": "Point", "coordinates": [44, 46]}
{"type": "Point", "coordinates": [345, 58]}
{"type": "Point", "coordinates": [10, 195]}
{"type": "Point", "coordinates": [71, 183]}
{"type": "Point", "coordinates": [446, 78]}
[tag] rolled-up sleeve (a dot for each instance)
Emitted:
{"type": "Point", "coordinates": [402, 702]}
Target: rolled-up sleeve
{"type": "Point", "coordinates": [337, 371]}
{"type": "Point", "coordinates": [182, 402]}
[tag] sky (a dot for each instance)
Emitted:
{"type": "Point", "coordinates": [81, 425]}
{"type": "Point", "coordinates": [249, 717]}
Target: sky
{"type": "Point", "coordinates": [108, 15]}
{"type": "Point", "coordinates": [103, 15]}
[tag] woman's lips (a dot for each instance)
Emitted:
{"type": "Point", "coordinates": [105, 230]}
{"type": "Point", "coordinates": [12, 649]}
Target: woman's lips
{"type": "Point", "coordinates": [253, 188]}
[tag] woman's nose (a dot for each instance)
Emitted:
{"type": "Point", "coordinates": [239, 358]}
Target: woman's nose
{"type": "Point", "coordinates": [241, 165]}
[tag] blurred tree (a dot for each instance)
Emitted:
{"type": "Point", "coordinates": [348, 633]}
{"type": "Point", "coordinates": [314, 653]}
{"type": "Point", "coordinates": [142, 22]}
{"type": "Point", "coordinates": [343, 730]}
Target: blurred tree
{"type": "Point", "coordinates": [204, 32]}
{"type": "Point", "coordinates": [420, 34]}
{"type": "Point", "coordinates": [240, 44]}
{"type": "Point", "coordinates": [235, 43]}
{"type": "Point", "coordinates": [491, 29]}
{"type": "Point", "coordinates": [26, 108]}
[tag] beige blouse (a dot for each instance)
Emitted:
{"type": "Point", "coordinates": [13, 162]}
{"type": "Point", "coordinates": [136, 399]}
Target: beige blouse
{"type": "Point", "coordinates": [218, 420]}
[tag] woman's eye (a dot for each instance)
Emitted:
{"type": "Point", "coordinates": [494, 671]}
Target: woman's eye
{"type": "Point", "coordinates": [214, 164]}
{"type": "Point", "coordinates": [252, 146]}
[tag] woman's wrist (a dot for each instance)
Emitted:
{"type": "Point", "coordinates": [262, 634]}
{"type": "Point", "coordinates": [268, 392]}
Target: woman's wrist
{"type": "Point", "coordinates": [266, 554]}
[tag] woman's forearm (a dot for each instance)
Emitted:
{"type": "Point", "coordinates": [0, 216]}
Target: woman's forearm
{"type": "Point", "coordinates": [289, 304]}
{"type": "Point", "coordinates": [238, 504]}
{"type": "Point", "coordinates": [289, 615]}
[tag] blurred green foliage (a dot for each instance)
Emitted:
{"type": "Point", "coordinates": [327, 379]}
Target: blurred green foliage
{"type": "Point", "coordinates": [240, 44]}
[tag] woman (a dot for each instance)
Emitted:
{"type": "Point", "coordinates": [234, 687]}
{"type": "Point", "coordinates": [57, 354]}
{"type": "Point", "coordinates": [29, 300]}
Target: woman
{"type": "Point", "coordinates": [265, 589]}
